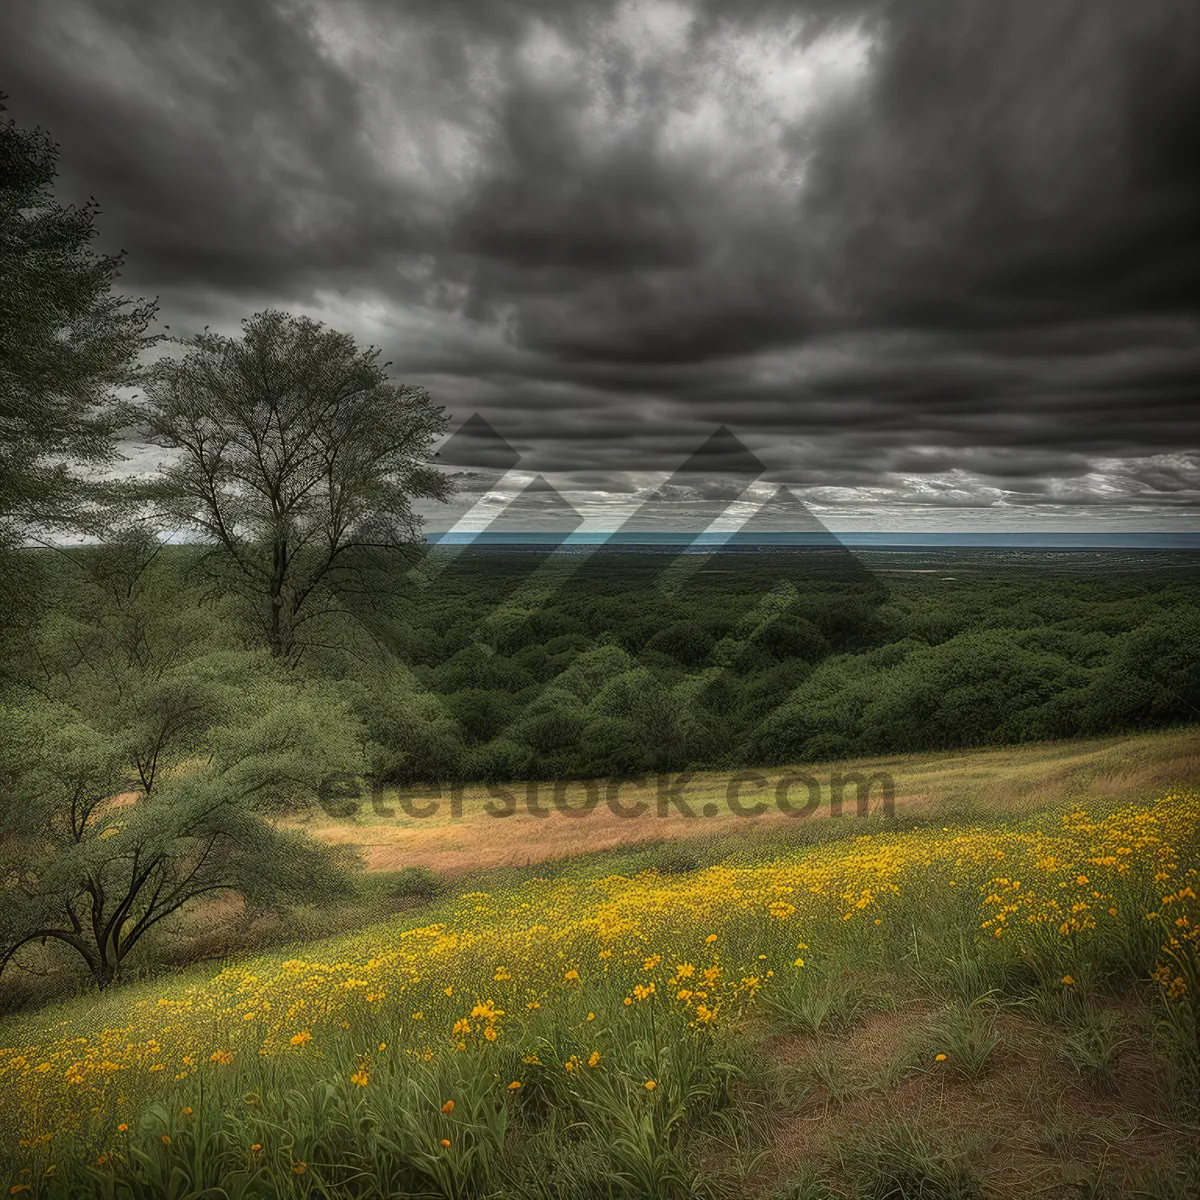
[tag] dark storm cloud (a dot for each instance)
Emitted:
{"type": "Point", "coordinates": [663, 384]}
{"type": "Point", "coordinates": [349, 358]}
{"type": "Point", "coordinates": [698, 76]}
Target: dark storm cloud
{"type": "Point", "coordinates": [215, 135]}
{"type": "Point", "coordinates": [932, 251]}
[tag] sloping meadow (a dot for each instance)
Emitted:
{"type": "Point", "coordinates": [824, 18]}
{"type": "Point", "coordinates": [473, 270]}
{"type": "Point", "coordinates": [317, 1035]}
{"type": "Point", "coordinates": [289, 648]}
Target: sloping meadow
{"type": "Point", "coordinates": [437, 1059]}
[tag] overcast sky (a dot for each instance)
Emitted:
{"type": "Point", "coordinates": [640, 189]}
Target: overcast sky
{"type": "Point", "coordinates": [935, 263]}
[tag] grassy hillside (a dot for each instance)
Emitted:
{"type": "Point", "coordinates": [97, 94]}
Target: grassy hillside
{"type": "Point", "coordinates": [408, 860]}
{"type": "Point", "coordinates": [962, 1007]}
{"type": "Point", "coordinates": [997, 782]}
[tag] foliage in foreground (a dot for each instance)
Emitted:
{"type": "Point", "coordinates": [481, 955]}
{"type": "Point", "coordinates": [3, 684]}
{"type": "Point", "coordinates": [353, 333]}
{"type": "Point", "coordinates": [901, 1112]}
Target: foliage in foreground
{"type": "Point", "coordinates": [198, 741]}
{"type": "Point", "coordinates": [574, 1036]}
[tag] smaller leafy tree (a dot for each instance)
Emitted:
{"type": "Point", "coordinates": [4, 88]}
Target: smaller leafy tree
{"type": "Point", "coordinates": [89, 865]}
{"type": "Point", "coordinates": [409, 734]}
{"type": "Point", "coordinates": [656, 715]}
{"type": "Point", "coordinates": [135, 648]}
{"type": "Point", "coordinates": [1152, 675]}
{"type": "Point", "coordinates": [685, 642]}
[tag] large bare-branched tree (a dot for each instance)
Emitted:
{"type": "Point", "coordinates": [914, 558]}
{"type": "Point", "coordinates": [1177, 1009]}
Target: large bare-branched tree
{"type": "Point", "coordinates": [298, 461]}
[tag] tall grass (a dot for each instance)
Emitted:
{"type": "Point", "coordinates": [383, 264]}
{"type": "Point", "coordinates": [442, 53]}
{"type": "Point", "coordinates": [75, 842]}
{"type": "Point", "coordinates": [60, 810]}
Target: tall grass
{"type": "Point", "coordinates": [584, 1035]}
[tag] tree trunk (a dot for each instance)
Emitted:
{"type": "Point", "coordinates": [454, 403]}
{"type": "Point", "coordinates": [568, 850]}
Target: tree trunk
{"type": "Point", "coordinates": [275, 634]}
{"type": "Point", "coordinates": [278, 579]}
{"type": "Point", "coordinates": [104, 973]}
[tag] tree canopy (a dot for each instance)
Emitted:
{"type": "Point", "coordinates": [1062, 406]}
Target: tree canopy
{"type": "Point", "coordinates": [297, 461]}
{"type": "Point", "coordinates": [139, 772]}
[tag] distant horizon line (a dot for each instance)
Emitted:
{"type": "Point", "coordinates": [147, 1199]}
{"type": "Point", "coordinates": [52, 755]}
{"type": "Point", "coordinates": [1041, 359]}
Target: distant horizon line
{"type": "Point", "coordinates": [1131, 539]}
{"type": "Point", "coordinates": [1066, 539]}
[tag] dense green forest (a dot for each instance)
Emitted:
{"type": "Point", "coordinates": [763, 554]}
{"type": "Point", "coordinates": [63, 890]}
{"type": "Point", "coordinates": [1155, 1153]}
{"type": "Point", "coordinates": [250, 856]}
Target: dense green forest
{"type": "Point", "coordinates": [492, 665]}
{"type": "Point", "coordinates": [761, 660]}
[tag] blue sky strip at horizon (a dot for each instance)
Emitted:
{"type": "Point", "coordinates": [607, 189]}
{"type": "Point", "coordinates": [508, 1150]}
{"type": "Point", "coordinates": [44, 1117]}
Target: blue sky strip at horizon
{"type": "Point", "coordinates": [672, 540]}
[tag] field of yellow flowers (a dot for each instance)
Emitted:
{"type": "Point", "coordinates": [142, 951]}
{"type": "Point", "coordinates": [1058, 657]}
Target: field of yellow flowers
{"type": "Point", "coordinates": [586, 1024]}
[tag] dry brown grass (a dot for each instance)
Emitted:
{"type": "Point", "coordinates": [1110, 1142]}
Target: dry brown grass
{"type": "Point", "coordinates": [983, 782]}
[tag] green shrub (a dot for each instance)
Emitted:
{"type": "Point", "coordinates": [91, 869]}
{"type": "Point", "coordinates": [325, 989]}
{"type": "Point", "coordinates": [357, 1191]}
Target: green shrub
{"type": "Point", "coordinates": [418, 883]}
{"type": "Point", "coordinates": [674, 858]}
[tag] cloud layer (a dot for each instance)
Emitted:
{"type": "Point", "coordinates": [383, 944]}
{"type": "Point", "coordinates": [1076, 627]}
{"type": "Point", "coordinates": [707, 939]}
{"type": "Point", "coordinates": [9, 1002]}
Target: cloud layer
{"type": "Point", "coordinates": [933, 255]}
